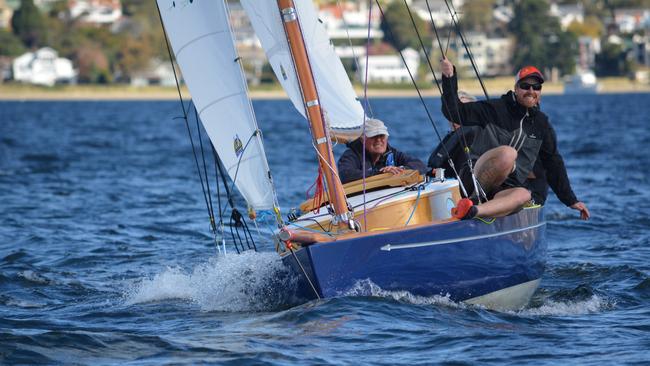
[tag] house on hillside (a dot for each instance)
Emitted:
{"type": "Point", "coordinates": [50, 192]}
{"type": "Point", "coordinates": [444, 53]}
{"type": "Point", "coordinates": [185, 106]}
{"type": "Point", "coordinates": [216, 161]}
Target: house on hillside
{"type": "Point", "coordinates": [389, 68]}
{"type": "Point", "coordinates": [568, 13]}
{"type": "Point", "coordinates": [631, 20]}
{"type": "Point", "coordinates": [439, 11]}
{"type": "Point", "coordinates": [492, 55]}
{"type": "Point", "coordinates": [346, 23]}
{"type": "Point", "coordinates": [96, 11]}
{"type": "Point", "coordinates": [43, 67]}
{"type": "Point", "coordinates": [159, 72]}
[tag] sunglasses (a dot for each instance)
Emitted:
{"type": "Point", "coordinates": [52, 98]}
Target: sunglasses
{"type": "Point", "coordinates": [526, 86]}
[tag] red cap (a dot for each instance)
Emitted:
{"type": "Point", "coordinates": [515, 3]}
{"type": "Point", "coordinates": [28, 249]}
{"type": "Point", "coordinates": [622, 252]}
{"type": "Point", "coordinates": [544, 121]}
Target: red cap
{"type": "Point", "coordinates": [529, 71]}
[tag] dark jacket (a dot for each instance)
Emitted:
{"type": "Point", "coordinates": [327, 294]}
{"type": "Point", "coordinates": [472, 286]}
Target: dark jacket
{"type": "Point", "coordinates": [453, 144]}
{"type": "Point", "coordinates": [506, 122]}
{"type": "Point", "coordinates": [350, 163]}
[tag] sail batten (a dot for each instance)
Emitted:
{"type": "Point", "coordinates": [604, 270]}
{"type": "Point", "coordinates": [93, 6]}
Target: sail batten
{"type": "Point", "coordinates": [337, 97]}
{"type": "Point", "coordinates": [201, 38]}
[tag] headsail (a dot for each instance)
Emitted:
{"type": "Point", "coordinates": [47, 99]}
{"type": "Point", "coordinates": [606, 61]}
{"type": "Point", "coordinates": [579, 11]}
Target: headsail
{"type": "Point", "coordinates": [200, 35]}
{"type": "Point", "coordinates": [337, 97]}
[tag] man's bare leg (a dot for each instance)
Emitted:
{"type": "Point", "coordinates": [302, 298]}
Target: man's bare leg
{"type": "Point", "coordinates": [504, 202]}
{"type": "Point", "coordinates": [494, 166]}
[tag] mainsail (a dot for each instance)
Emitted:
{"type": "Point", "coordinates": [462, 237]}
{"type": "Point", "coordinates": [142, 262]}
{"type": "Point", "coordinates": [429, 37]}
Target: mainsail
{"type": "Point", "coordinates": [200, 35]}
{"type": "Point", "coordinates": [337, 98]}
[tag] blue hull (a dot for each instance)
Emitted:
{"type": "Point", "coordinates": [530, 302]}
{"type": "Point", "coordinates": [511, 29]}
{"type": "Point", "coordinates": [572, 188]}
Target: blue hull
{"type": "Point", "coordinates": [462, 259]}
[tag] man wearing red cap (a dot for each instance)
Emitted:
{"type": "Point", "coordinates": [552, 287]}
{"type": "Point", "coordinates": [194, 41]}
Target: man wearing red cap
{"type": "Point", "coordinates": [515, 135]}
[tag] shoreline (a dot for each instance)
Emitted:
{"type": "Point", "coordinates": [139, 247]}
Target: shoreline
{"type": "Point", "coordinates": [19, 92]}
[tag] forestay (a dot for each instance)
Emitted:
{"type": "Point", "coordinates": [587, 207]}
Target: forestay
{"type": "Point", "coordinates": [201, 38]}
{"type": "Point", "coordinates": [342, 109]}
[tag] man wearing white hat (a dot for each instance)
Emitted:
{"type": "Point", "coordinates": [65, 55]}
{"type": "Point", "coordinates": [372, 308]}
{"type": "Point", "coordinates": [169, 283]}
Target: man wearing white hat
{"type": "Point", "coordinates": [380, 156]}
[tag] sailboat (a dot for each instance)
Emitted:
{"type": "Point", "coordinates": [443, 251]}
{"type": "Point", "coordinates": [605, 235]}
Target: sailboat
{"type": "Point", "coordinates": [393, 231]}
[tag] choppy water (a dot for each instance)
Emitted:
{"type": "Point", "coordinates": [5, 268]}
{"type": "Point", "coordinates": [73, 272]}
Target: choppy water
{"type": "Point", "coordinates": [106, 256]}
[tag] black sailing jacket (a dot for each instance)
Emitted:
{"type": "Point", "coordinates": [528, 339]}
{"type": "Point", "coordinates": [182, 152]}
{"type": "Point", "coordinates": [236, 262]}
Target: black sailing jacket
{"type": "Point", "coordinates": [350, 167]}
{"type": "Point", "coordinates": [506, 122]}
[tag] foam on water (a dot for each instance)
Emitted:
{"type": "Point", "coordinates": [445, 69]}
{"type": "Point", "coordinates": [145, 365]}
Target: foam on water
{"type": "Point", "coordinates": [594, 304]}
{"type": "Point", "coordinates": [244, 282]}
{"type": "Point", "coordinates": [369, 288]}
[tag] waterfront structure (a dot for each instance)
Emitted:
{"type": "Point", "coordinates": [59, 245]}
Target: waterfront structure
{"type": "Point", "coordinates": [389, 68]}
{"type": "Point", "coordinates": [492, 55]}
{"type": "Point", "coordinates": [43, 67]}
{"type": "Point", "coordinates": [96, 11]}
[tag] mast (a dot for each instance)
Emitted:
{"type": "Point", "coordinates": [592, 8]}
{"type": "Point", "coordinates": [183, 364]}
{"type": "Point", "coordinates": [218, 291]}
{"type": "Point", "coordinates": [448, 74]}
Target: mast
{"type": "Point", "coordinates": [342, 216]}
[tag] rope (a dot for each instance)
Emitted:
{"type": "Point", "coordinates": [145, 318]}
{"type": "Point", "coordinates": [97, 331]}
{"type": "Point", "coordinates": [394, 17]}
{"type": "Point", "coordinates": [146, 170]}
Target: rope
{"type": "Point", "coordinates": [415, 205]}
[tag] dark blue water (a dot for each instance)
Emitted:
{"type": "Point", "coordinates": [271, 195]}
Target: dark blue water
{"type": "Point", "coordinates": [106, 255]}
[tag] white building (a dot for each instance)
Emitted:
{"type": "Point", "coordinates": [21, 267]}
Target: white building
{"type": "Point", "coordinates": [631, 20]}
{"type": "Point", "coordinates": [347, 22]}
{"type": "Point", "coordinates": [96, 11]}
{"type": "Point", "coordinates": [568, 13]}
{"type": "Point", "coordinates": [159, 72]}
{"type": "Point", "coordinates": [43, 67]}
{"type": "Point", "coordinates": [389, 68]}
{"type": "Point", "coordinates": [439, 11]}
{"type": "Point", "coordinates": [491, 55]}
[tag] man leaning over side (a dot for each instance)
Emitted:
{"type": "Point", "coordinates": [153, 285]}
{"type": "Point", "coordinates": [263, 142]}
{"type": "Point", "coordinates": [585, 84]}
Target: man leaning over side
{"type": "Point", "coordinates": [515, 135]}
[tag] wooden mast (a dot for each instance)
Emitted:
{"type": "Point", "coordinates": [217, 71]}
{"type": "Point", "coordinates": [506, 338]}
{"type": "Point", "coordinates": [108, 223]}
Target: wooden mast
{"type": "Point", "coordinates": [342, 216]}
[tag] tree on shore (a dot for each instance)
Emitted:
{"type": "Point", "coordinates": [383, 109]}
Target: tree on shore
{"type": "Point", "coordinates": [398, 28]}
{"type": "Point", "coordinates": [10, 45]}
{"type": "Point", "coordinates": [477, 15]}
{"type": "Point", "coordinates": [540, 40]}
{"type": "Point", "coordinates": [28, 24]}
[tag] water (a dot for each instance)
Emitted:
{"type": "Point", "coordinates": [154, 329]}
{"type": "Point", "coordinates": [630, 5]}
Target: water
{"type": "Point", "coordinates": [106, 256]}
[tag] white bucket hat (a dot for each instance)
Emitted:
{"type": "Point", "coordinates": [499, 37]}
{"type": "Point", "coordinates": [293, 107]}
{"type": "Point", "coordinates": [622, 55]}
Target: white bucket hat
{"type": "Point", "coordinates": [375, 127]}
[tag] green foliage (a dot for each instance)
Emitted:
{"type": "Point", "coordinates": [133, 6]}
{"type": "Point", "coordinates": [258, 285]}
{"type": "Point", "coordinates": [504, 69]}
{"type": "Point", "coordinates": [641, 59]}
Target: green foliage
{"type": "Point", "coordinates": [591, 27]}
{"type": "Point", "coordinates": [10, 45]}
{"type": "Point", "coordinates": [612, 61]}
{"type": "Point", "coordinates": [27, 23]}
{"type": "Point", "coordinates": [540, 40]}
{"type": "Point", "coordinates": [398, 28]}
{"type": "Point", "coordinates": [477, 15]}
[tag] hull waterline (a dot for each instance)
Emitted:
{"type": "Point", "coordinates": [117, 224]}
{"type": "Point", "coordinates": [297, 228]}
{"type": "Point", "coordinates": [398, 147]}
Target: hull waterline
{"type": "Point", "coordinates": [498, 265]}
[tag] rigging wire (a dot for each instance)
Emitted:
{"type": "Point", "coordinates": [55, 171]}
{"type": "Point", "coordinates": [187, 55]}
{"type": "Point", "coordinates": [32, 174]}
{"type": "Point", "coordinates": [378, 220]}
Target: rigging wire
{"type": "Point", "coordinates": [363, 129]}
{"type": "Point", "coordinates": [435, 78]}
{"type": "Point", "coordinates": [417, 89]}
{"type": "Point", "coordinates": [354, 56]}
{"type": "Point", "coordinates": [206, 195]}
{"type": "Point", "coordinates": [236, 218]}
{"type": "Point", "coordinates": [454, 16]}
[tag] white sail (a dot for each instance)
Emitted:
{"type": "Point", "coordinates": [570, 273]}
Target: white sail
{"type": "Point", "coordinates": [337, 97]}
{"type": "Point", "coordinates": [200, 35]}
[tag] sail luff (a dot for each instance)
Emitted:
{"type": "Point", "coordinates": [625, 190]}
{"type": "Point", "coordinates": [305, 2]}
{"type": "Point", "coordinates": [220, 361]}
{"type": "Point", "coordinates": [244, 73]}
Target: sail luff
{"type": "Point", "coordinates": [314, 112]}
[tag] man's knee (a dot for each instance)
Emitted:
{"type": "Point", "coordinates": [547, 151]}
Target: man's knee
{"type": "Point", "coordinates": [506, 154]}
{"type": "Point", "coordinates": [522, 195]}
{"type": "Point", "coordinates": [500, 159]}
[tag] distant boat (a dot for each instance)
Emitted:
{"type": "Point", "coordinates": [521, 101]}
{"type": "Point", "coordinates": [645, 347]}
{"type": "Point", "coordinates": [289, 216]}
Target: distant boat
{"type": "Point", "coordinates": [583, 82]}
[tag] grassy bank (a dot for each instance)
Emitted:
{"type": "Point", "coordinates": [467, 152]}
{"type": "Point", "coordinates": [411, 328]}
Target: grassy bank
{"type": "Point", "coordinates": [495, 86]}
